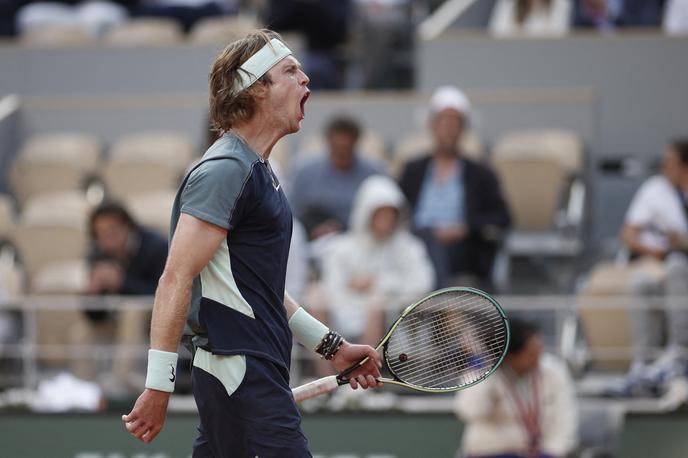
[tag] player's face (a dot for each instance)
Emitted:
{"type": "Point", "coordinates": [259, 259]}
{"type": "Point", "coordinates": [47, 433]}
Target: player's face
{"type": "Point", "coordinates": [384, 222]}
{"type": "Point", "coordinates": [447, 128]}
{"type": "Point", "coordinates": [287, 95]}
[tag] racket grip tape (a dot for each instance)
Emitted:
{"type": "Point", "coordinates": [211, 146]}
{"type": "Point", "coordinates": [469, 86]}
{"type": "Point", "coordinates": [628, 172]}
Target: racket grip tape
{"type": "Point", "coordinates": [315, 388]}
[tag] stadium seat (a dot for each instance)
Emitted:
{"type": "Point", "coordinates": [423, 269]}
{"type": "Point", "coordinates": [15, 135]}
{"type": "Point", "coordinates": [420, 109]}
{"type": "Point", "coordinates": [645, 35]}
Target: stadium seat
{"type": "Point", "coordinates": [126, 178]}
{"type": "Point", "coordinates": [67, 208]}
{"type": "Point", "coordinates": [221, 30]}
{"type": "Point", "coordinates": [56, 36]}
{"type": "Point", "coordinates": [415, 144]}
{"type": "Point", "coordinates": [371, 145]}
{"type": "Point", "coordinates": [534, 167]}
{"type": "Point", "coordinates": [51, 229]}
{"type": "Point", "coordinates": [152, 209]}
{"type": "Point", "coordinates": [606, 329]}
{"type": "Point", "coordinates": [54, 162]}
{"type": "Point", "coordinates": [146, 162]}
{"type": "Point", "coordinates": [533, 188]}
{"type": "Point", "coordinates": [144, 32]}
{"type": "Point", "coordinates": [540, 173]}
{"type": "Point", "coordinates": [67, 277]}
{"type": "Point", "coordinates": [168, 148]}
{"type": "Point", "coordinates": [11, 279]}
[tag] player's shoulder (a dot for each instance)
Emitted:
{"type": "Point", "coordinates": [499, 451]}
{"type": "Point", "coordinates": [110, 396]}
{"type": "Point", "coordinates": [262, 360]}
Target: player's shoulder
{"type": "Point", "coordinates": [227, 157]}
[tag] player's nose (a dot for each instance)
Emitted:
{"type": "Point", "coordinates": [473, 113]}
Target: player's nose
{"type": "Point", "coordinates": [304, 78]}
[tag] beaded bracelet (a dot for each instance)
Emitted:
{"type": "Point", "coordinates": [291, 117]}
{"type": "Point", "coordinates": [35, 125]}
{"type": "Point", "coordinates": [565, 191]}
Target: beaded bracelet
{"type": "Point", "coordinates": [329, 345]}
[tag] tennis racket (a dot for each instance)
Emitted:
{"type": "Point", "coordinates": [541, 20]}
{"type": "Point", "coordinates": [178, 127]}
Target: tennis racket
{"type": "Point", "coordinates": [447, 341]}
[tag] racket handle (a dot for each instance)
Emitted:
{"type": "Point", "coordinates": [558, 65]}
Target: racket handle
{"type": "Point", "coordinates": [315, 388]}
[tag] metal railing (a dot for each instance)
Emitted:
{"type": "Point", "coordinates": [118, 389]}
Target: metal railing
{"type": "Point", "coordinates": [559, 317]}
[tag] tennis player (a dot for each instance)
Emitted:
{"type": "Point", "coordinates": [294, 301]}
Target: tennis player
{"type": "Point", "coordinates": [225, 273]}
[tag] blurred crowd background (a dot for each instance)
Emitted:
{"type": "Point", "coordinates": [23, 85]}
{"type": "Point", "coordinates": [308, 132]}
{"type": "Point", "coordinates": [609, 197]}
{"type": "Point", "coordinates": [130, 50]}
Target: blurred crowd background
{"type": "Point", "coordinates": [536, 149]}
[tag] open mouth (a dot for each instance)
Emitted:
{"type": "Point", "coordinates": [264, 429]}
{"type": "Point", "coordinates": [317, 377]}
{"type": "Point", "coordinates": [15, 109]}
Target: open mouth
{"type": "Point", "coordinates": [303, 103]}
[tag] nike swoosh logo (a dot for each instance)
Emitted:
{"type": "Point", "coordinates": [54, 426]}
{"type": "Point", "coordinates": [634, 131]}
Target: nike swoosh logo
{"type": "Point", "coordinates": [174, 377]}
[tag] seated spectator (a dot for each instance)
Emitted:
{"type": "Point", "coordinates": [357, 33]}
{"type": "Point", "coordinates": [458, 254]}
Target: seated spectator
{"type": "Point", "coordinates": [526, 409]}
{"type": "Point", "coordinates": [457, 204]}
{"type": "Point", "coordinates": [185, 12]}
{"type": "Point", "coordinates": [641, 13]}
{"type": "Point", "coordinates": [376, 265]}
{"type": "Point", "coordinates": [531, 18]}
{"type": "Point", "coordinates": [325, 26]}
{"type": "Point", "coordinates": [656, 231]}
{"type": "Point", "coordinates": [8, 11]}
{"type": "Point", "coordinates": [125, 259]}
{"type": "Point", "coordinates": [675, 20]}
{"type": "Point", "coordinates": [94, 16]}
{"type": "Point", "coordinates": [323, 190]}
{"type": "Point", "coordinates": [597, 14]}
{"type": "Point", "coordinates": [606, 15]}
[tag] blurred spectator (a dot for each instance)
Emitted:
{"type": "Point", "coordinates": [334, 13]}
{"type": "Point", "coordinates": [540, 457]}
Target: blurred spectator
{"type": "Point", "coordinates": [376, 265]}
{"type": "Point", "coordinates": [457, 204]}
{"type": "Point", "coordinates": [598, 14]}
{"type": "Point", "coordinates": [526, 409]}
{"type": "Point", "coordinates": [605, 15]}
{"type": "Point", "coordinates": [94, 16]}
{"type": "Point", "coordinates": [323, 190]}
{"type": "Point", "coordinates": [383, 44]}
{"type": "Point", "coordinates": [125, 258]}
{"type": "Point", "coordinates": [676, 17]}
{"type": "Point", "coordinates": [641, 13]}
{"type": "Point", "coordinates": [185, 12]}
{"type": "Point", "coordinates": [656, 231]}
{"type": "Point", "coordinates": [325, 25]}
{"type": "Point", "coordinates": [531, 18]}
{"type": "Point", "coordinates": [8, 11]}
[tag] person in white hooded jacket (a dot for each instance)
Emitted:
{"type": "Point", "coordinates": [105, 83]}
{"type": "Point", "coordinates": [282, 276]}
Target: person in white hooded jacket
{"type": "Point", "coordinates": [376, 265]}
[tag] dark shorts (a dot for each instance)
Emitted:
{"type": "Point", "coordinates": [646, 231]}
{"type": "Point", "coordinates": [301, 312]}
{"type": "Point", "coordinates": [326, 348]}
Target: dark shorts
{"type": "Point", "coordinates": [259, 419]}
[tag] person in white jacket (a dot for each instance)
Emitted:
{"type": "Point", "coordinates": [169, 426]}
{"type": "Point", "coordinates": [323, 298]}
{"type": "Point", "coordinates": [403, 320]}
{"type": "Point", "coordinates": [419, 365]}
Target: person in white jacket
{"type": "Point", "coordinates": [526, 409]}
{"type": "Point", "coordinates": [376, 265]}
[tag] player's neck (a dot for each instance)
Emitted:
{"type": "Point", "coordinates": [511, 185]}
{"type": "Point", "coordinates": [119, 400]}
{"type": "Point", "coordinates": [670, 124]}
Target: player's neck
{"type": "Point", "coordinates": [259, 136]}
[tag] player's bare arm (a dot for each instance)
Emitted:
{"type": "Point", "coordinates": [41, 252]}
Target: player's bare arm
{"type": "Point", "coordinates": [193, 245]}
{"type": "Point", "coordinates": [368, 374]}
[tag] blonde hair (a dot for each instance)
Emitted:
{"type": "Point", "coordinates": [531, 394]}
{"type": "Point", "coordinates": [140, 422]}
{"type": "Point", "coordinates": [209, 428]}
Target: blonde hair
{"type": "Point", "coordinates": [228, 108]}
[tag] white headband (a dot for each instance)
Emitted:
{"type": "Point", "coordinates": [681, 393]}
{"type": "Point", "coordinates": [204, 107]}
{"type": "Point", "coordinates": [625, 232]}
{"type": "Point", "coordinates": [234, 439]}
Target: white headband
{"type": "Point", "coordinates": [258, 64]}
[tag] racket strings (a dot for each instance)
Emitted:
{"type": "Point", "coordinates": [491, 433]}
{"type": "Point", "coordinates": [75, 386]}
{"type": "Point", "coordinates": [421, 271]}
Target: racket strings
{"type": "Point", "coordinates": [450, 340]}
{"type": "Point", "coordinates": [441, 336]}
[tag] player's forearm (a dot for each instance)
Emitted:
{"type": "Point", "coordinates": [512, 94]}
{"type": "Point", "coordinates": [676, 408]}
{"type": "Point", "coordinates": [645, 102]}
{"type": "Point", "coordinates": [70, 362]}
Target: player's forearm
{"type": "Point", "coordinates": [290, 304]}
{"type": "Point", "coordinates": [170, 311]}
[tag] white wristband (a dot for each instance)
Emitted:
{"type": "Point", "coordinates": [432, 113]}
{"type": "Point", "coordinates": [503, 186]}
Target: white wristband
{"type": "Point", "coordinates": [162, 370]}
{"type": "Point", "coordinates": [307, 330]}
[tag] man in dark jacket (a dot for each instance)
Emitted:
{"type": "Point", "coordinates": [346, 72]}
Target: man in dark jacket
{"type": "Point", "coordinates": [125, 258]}
{"type": "Point", "coordinates": [457, 205]}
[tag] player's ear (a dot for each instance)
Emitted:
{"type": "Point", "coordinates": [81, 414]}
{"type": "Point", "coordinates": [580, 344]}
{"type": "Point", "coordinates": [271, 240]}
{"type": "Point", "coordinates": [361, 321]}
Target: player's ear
{"type": "Point", "coordinates": [260, 90]}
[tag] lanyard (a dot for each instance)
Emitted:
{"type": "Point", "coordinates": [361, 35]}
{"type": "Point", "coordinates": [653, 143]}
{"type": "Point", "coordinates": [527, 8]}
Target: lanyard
{"type": "Point", "coordinates": [529, 413]}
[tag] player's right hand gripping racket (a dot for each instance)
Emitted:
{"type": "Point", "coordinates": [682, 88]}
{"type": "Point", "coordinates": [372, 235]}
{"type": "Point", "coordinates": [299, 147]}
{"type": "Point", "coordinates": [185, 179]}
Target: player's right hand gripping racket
{"type": "Point", "coordinates": [450, 340]}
